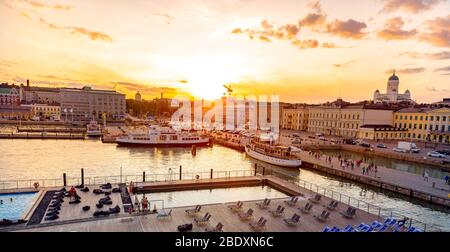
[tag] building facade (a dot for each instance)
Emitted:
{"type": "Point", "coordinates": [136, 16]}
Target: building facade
{"type": "Point", "coordinates": [295, 118]}
{"type": "Point", "coordinates": [424, 124]}
{"type": "Point", "coordinates": [343, 120]}
{"type": "Point", "coordinates": [9, 95]}
{"type": "Point", "coordinates": [392, 94]}
{"type": "Point", "coordinates": [86, 104]}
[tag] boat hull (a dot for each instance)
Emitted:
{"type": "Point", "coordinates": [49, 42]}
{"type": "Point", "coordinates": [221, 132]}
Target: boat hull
{"type": "Point", "coordinates": [148, 144]}
{"type": "Point", "coordinates": [272, 160]}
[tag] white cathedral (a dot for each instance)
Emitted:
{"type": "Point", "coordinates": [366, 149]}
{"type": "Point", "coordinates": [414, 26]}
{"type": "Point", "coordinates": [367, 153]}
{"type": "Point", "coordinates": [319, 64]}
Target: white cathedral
{"type": "Point", "coordinates": [392, 95]}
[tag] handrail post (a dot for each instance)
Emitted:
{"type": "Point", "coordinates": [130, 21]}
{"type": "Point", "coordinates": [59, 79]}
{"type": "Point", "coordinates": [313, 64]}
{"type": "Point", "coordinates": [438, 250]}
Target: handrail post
{"type": "Point", "coordinates": [82, 176]}
{"type": "Point", "coordinates": [64, 180]}
{"type": "Point", "coordinates": [211, 174]}
{"type": "Point", "coordinates": [264, 171]}
{"type": "Point", "coordinates": [256, 168]}
{"type": "Point", "coordinates": [181, 170]}
{"type": "Point", "coordinates": [143, 176]}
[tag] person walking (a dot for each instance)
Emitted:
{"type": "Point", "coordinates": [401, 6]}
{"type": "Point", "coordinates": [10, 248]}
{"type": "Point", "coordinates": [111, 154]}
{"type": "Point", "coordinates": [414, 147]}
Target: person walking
{"type": "Point", "coordinates": [425, 176]}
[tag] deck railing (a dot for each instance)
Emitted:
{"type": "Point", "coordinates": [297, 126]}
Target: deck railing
{"type": "Point", "coordinates": [356, 203]}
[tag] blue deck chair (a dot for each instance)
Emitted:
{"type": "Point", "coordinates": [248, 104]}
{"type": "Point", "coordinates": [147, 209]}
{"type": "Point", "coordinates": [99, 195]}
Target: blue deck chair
{"type": "Point", "coordinates": [376, 225]}
{"type": "Point", "coordinates": [383, 228]}
{"type": "Point", "coordinates": [348, 228]}
{"type": "Point", "coordinates": [326, 229]}
{"type": "Point", "coordinates": [335, 229]}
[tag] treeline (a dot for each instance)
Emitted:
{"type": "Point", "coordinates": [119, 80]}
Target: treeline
{"type": "Point", "coordinates": [156, 107]}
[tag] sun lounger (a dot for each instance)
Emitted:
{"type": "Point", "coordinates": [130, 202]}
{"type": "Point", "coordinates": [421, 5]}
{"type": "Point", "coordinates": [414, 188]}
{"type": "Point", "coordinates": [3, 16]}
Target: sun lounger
{"type": "Point", "coordinates": [236, 208]}
{"type": "Point", "coordinates": [307, 208]}
{"type": "Point", "coordinates": [263, 205]}
{"type": "Point", "coordinates": [292, 201]}
{"type": "Point", "coordinates": [348, 228]}
{"type": "Point", "coordinates": [293, 221]}
{"type": "Point", "coordinates": [217, 228]}
{"type": "Point", "coordinates": [193, 211]}
{"type": "Point", "coordinates": [349, 213]}
{"type": "Point", "coordinates": [326, 229]}
{"type": "Point", "coordinates": [376, 225]}
{"type": "Point", "coordinates": [316, 198]}
{"type": "Point", "coordinates": [323, 216]}
{"type": "Point", "coordinates": [258, 226]}
{"type": "Point", "coordinates": [332, 205]}
{"type": "Point", "coordinates": [164, 215]}
{"type": "Point", "coordinates": [204, 220]}
{"type": "Point", "coordinates": [335, 229]}
{"type": "Point", "coordinates": [278, 212]}
{"type": "Point", "coordinates": [247, 215]}
{"type": "Point", "coordinates": [383, 228]}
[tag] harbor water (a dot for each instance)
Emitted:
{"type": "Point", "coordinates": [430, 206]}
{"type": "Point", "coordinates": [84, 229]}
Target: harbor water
{"type": "Point", "coordinates": [39, 159]}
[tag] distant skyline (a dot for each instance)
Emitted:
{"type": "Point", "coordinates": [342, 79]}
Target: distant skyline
{"type": "Point", "coordinates": [303, 51]}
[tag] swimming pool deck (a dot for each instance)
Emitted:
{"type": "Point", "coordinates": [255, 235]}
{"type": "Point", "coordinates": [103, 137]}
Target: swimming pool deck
{"type": "Point", "coordinates": [434, 190]}
{"type": "Point", "coordinates": [220, 213]}
{"type": "Point", "coordinates": [73, 218]}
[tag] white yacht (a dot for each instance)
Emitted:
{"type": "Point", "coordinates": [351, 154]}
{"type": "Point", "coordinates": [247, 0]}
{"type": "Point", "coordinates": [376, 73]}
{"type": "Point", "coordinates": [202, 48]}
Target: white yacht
{"type": "Point", "coordinates": [162, 136]}
{"type": "Point", "coordinates": [275, 155]}
{"type": "Point", "coordinates": [93, 129]}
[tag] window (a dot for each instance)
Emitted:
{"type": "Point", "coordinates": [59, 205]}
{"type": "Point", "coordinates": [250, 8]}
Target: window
{"type": "Point", "coordinates": [420, 126]}
{"type": "Point", "coordinates": [415, 118]}
{"type": "Point", "coordinates": [410, 117]}
{"type": "Point", "coordinates": [401, 117]}
{"type": "Point", "coordinates": [431, 118]}
{"type": "Point", "coordinates": [437, 118]}
{"type": "Point", "coordinates": [421, 118]}
{"type": "Point", "coordinates": [443, 118]}
{"type": "Point", "coordinates": [415, 126]}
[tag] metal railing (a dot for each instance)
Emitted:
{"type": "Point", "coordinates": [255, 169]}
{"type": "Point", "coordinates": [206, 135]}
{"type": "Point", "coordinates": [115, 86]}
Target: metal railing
{"type": "Point", "coordinates": [98, 180]}
{"type": "Point", "coordinates": [359, 204]}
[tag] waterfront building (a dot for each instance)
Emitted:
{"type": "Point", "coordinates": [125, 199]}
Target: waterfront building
{"type": "Point", "coordinates": [295, 118]}
{"type": "Point", "coordinates": [381, 132]}
{"type": "Point", "coordinates": [444, 102]}
{"type": "Point", "coordinates": [342, 119]}
{"type": "Point", "coordinates": [46, 111]}
{"type": "Point", "coordinates": [82, 105]}
{"type": "Point", "coordinates": [8, 112]}
{"type": "Point", "coordinates": [424, 124]}
{"type": "Point", "coordinates": [392, 94]}
{"type": "Point", "coordinates": [9, 94]}
{"type": "Point", "coordinates": [40, 95]}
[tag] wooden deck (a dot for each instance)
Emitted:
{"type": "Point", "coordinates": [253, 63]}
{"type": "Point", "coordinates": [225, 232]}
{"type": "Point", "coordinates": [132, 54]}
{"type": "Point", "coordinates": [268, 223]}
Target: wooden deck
{"type": "Point", "coordinates": [73, 218]}
{"type": "Point", "coordinates": [220, 213]}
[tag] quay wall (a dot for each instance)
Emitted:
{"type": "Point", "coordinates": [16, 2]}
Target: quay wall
{"type": "Point", "coordinates": [41, 136]}
{"type": "Point", "coordinates": [381, 184]}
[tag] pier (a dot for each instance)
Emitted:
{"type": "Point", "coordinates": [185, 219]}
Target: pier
{"type": "Point", "coordinates": [42, 135]}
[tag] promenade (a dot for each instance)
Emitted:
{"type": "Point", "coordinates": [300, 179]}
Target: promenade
{"type": "Point", "coordinates": [432, 186]}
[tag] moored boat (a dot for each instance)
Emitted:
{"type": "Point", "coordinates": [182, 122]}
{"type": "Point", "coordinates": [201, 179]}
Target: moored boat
{"type": "Point", "coordinates": [164, 137]}
{"type": "Point", "coordinates": [275, 155]}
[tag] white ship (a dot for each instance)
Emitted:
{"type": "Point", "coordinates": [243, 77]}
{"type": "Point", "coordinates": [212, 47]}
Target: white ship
{"type": "Point", "coordinates": [93, 129]}
{"type": "Point", "coordinates": [162, 136]}
{"type": "Point", "coordinates": [275, 155]}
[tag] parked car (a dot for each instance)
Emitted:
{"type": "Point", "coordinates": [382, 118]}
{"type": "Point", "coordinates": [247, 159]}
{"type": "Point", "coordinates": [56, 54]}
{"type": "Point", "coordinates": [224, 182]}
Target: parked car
{"type": "Point", "coordinates": [382, 146]}
{"type": "Point", "coordinates": [366, 145]}
{"type": "Point", "coordinates": [322, 138]}
{"type": "Point", "coordinates": [435, 154]}
{"type": "Point", "coordinates": [349, 141]}
{"type": "Point", "coordinates": [444, 152]}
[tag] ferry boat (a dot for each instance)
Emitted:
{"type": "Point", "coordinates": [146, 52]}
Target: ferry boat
{"type": "Point", "coordinates": [275, 155]}
{"type": "Point", "coordinates": [164, 137]}
{"type": "Point", "coordinates": [93, 129]}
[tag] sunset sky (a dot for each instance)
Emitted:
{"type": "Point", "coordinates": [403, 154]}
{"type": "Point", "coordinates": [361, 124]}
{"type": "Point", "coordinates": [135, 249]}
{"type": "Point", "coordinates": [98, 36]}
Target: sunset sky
{"type": "Point", "coordinates": [304, 51]}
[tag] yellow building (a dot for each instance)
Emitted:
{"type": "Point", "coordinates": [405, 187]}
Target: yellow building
{"type": "Point", "coordinates": [295, 118]}
{"type": "Point", "coordinates": [424, 124]}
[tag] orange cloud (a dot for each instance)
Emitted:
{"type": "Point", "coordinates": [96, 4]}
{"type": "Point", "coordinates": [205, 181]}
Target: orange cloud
{"type": "Point", "coordinates": [393, 30]}
{"type": "Point", "coordinates": [37, 4]}
{"type": "Point", "coordinates": [413, 6]}
{"type": "Point", "coordinates": [433, 56]}
{"type": "Point", "coordinates": [347, 29]}
{"type": "Point", "coordinates": [437, 32]}
{"type": "Point", "coordinates": [93, 35]}
{"type": "Point", "coordinates": [407, 70]}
